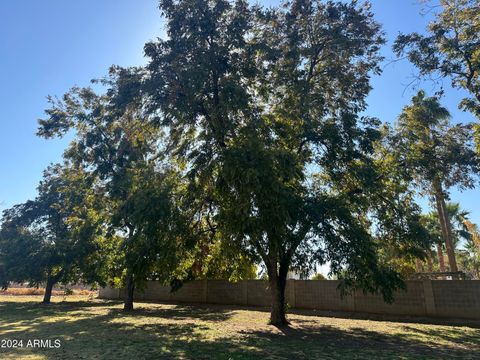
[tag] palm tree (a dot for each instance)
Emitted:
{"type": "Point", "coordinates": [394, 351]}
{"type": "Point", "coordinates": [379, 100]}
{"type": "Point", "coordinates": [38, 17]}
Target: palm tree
{"type": "Point", "coordinates": [437, 156]}
{"type": "Point", "coordinates": [431, 223]}
{"type": "Point", "coordinates": [459, 231]}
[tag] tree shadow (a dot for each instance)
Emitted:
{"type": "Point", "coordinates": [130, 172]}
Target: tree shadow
{"type": "Point", "coordinates": [454, 335]}
{"type": "Point", "coordinates": [34, 307]}
{"type": "Point", "coordinates": [181, 312]}
{"type": "Point", "coordinates": [119, 335]}
{"type": "Point", "coordinates": [387, 318]}
{"type": "Point", "coordinates": [188, 332]}
{"type": "Point", "coordinates": [359, 341]}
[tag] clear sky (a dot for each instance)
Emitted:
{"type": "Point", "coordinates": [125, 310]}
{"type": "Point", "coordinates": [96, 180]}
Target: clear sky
{"type": "Point", "coordinates": [48, 46]}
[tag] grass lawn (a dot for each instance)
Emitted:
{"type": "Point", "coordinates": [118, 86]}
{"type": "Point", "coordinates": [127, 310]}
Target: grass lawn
{"type": "Point", "coordinates": [97, 329]}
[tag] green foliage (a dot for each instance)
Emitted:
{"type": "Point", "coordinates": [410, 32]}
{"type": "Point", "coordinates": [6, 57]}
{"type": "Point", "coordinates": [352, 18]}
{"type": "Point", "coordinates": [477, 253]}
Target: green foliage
{"type": "Point", "coordinates": [464, 237]}
{"type": "Point", "coordinates": [57, 235]}
{"type": "Point", "coordinates": [215, 258]}
{"type": "Point", "coordinates": [457, 217]}
{"type": "Point", "coordinates": [318, 276]}
{"type": "Point", "coordinates": [435, 156]}
{"type": "Point", "coordinates": [139, 190]}
{"type": "Point", "coordinates": [451, 49]}
{"type": "Point", "coordinates": [435, 152]}
{"type": "Point", "coordinates": [241, 142]}
{"type": "Point", "coordinates": [261, 106]}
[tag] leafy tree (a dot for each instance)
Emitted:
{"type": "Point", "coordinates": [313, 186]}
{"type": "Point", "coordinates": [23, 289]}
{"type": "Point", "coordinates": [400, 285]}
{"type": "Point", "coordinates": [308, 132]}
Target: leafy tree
{"type": "Point", "coordinates": [262, 107]}
{"type": "Point", "coordinates": [140, 190]}
{"type": "Point", "coordinates": [451, 48]}
{"type": "Point", "coordinates": [403, 256]}
{"type": "Point", "coordinates": [437, 155]}
{"type": "Point", "coordinates": [54, 238]}
{"type": "Point", "coordinates": [319, 276]}
{"type": "Point", "coordinates": [219, 259]}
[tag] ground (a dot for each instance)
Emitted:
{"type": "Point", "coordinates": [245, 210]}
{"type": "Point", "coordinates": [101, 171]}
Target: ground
{"type": "Point", "coordinates": [97, 329]}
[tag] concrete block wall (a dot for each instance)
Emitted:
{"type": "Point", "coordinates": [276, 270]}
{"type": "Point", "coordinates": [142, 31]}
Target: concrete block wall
{"type": "Point", "coordinates": [457, 298]}
{"type": "Point", "coordinates": [223, 292]}
{"type": "Point", "coordinates": [435, 298]}
{"type": "Point", "coordinates": [321, 295]}
{"type": "Point", "coordinates": [258, 293]}
{"type": "Point", "coordinates": [409, 302]}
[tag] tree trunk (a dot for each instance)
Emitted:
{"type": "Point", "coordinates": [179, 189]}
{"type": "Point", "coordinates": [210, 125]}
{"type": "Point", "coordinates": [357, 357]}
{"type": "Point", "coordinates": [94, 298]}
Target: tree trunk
{"type": "Point", "coordinates": [130, 281]}
{"type": "Point", "coordinates": [429, 261]}
{"type": "Point", "coordinates": [130, 288]}
{"type": "Point", "coordinates": [277, 282]}
{"type": "Point", "coordinates": [418, 266]}
{"type": "Point", "coordinates": [277, 291]}
{"type": "Point", "coordinates": [48, 290]}
{"type": "Point", "coordinates": [446, 229]}
{"type": "Point", "coordinates": [441, 262]}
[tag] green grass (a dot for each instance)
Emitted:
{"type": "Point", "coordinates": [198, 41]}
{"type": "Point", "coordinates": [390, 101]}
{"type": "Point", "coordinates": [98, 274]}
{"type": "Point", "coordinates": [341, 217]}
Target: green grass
{"type": "Point", "coordinates": [97, 329]}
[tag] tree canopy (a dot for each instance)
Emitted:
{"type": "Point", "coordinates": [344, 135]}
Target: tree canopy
{"type": "Point", "coordinates": [451, 48]}
{"type": "Point", "coordinates": [262, 105]}
{"type": "Point", "coordinates": [141, 192]}
{"type": "Point", "coordinates": [437, 156]}
{"type": "Point", "coordinates": [56, 237]}
{"type": "Point", "coordinates": [242, 142]}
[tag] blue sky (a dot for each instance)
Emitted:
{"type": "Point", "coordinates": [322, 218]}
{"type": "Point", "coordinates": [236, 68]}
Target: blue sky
{"type": "Point", "coordinates": [48, 46]}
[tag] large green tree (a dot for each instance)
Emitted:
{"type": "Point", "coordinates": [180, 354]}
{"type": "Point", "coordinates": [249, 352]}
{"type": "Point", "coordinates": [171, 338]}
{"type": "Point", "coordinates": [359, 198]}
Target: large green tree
{"type": "Point", "coordinates": [262, 107]}
{"type": "Point", "coordinates": [140, 191]}
{"type": "Point", "coordinates": [437, 155]}
{"type": "Point", "coordinates": [57, 236]}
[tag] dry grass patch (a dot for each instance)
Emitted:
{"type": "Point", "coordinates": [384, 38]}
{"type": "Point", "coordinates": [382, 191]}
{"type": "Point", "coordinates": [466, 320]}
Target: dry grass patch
{"type": "Point", "coordinates": [40, 291]}
{"type": "Point", "coordinates": [98, 329]}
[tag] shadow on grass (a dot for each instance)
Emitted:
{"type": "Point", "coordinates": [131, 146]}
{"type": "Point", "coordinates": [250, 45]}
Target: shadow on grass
{"type": "Point", "coordinates": [182, 312]}
{"type": "Point", "coordinates": [324, 313]}
{"type": "Point", "coordinates": [101, 331]}
{"type": "Point", "coordinates": [388, 318]}
{"type": "Point", "coordinates": [359, 343]}
{"type": "Point", "coordinates": [458, 335]}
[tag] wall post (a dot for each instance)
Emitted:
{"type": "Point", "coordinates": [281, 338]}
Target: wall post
{"type": "Point", "coordinates": [430, 309]}
{"type": "Point", "coordinates": [245, 292]}
{"type": "Point", "coordinates": [293, 291]}
{"type": "Point", "coordinates": [205, 290]}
